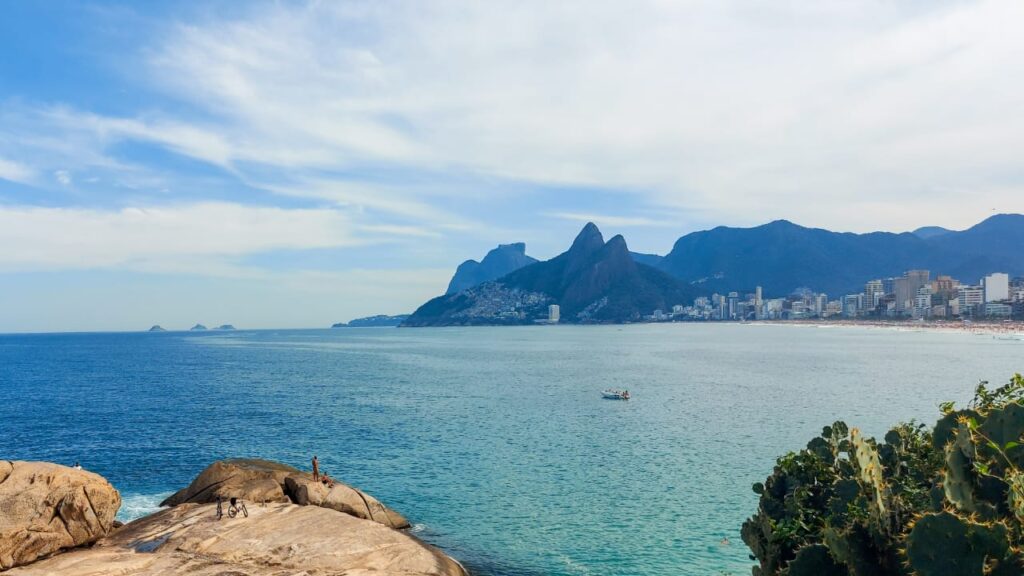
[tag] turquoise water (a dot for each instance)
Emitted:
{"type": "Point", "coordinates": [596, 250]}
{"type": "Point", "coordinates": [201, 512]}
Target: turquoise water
{"type": "Point", "coordinates": [493, 441]}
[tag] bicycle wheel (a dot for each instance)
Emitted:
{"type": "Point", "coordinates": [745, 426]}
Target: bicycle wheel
{"type": "Point", "coordinates": [232, 512]}
{"type": "Point", "coordinates": [245, 511]}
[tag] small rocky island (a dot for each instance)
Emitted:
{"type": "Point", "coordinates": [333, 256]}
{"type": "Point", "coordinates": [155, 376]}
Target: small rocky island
{"type": "Point", "coordinates": [60, 520]}
{"type": "Point", "coordinates": [157, 328]}
{"type": "Point", "coordinates": [197, 327]}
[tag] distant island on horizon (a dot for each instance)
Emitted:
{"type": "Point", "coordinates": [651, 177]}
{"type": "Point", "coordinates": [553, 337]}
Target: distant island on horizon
{"type": "Point", "coordinates": [716, 272]}
{"type": "Point", "coordinates": [195, 328]}
{"type": "Point", "coordinates": [380, 320]}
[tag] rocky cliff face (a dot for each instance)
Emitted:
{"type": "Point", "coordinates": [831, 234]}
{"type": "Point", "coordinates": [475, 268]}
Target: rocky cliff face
{"type": "Point", "coordinates": [593, 281]}
{"type": "Point", "coordinates": [46, 508]}
{"type": "Point", "coordinates": [497, 263]}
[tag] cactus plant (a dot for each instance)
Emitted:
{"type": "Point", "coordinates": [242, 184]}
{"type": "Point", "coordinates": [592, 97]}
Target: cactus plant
{"type": "Point", "coordinates": [814, 560]}
{"type": "Point", "coordinates": [945, 544]}
{"type": "Point", "coordinates": [941, 502]}
{"type": "Point", "coordinates": [870, 471]}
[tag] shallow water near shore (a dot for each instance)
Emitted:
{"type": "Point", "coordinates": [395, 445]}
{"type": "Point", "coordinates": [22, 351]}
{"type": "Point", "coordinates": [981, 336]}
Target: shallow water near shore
{"type": "Point", "coordinates": [494, 442]}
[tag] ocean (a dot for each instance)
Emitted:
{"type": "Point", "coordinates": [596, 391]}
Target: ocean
{"type": "Point", "coordinates": [494, 442]}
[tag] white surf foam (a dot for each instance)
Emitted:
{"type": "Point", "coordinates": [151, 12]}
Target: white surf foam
{"type": "Point", "coordinates": [135, 506]}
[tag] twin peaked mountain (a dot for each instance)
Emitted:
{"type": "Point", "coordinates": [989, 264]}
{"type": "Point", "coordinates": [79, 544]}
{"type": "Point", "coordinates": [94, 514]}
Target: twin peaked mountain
{"type": "Point", "coordinates": [593, 281]}
{"type": "Point", "coordinates": [596, 281]}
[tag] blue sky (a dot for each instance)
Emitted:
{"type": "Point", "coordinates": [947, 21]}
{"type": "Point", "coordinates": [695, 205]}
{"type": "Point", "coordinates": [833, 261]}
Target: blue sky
{"type": "Point", "coordinates": [288, 164]}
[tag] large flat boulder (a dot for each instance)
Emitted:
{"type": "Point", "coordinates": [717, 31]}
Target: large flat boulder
{"type": "Point", "coordinates": [275, 539]}
{"type": "Point", "coordinates": [46, 508]}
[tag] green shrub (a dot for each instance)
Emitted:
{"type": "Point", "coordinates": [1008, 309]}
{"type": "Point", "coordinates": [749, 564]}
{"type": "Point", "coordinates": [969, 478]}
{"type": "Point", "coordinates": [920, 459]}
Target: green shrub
{"type": "Point", "coordinates": [942, 502]}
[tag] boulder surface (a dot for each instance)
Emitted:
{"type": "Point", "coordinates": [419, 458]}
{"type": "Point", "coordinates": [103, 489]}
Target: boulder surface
{"type": "Point", "coordinates": [258, 481]}
{"type": "Point", "coordinates": [46, 508]}
{"type": "Point", "coordinates": [274, 539]}
{"type": "Point", "coordinates": [343, 498]}
{"type": "Point", "coordinates": [247, 478]}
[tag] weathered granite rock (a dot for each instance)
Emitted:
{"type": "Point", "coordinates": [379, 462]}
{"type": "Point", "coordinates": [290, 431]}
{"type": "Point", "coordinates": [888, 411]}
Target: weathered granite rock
{"type": "Point", "coordinates": [250, 479]}
{"type": "Point", "coordinates": [266, 481]}
{"type": "Point", "coordinates": [45, 508]}
{"type": "Point", "coordinates": [305, 492]}
{"type": "Point", "coordinates": [274, 540]}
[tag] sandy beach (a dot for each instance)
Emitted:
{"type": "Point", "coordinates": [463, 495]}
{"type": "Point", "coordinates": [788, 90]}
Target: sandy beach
{"type": "Point", "coordinates": [1011, 330]}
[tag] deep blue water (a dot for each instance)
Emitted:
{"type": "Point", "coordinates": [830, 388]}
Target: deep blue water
{"type": "Point", "coordinates": [493, 441]}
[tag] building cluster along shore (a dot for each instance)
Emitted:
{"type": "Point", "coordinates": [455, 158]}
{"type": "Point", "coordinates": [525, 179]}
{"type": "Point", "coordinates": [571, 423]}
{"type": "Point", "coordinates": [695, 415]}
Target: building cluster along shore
{"type": "Point", "coordinates": [914, 295]}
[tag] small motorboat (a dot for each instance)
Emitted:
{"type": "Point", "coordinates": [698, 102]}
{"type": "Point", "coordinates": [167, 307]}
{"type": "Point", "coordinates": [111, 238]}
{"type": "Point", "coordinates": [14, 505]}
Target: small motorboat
{"type": "Point", "coordinates": [615, 394]}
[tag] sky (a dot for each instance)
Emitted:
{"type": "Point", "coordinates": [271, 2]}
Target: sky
{"type": "Point", "coordinates": [294, 164]}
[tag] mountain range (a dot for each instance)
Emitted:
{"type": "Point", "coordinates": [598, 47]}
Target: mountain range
{"type": "Point", "coordinates": [592, 281]}
{"type": "Point", "coordinates": [782, 257]}
{"type": "Point", "coordinates": [498, 262]}
{"type": "Point", "coordinates": [604, 282]}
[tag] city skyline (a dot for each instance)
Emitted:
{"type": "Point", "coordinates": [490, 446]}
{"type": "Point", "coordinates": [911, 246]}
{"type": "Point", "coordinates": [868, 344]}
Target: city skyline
{"type": "Point", "coordinates": [913, 295]}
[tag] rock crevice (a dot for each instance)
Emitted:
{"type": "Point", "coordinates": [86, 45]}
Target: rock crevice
{"type": "Point", "coordinates": [46, 508]}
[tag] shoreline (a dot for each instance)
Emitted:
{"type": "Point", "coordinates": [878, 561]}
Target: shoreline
{"type": "Point", "coordinates": [1013, 329]}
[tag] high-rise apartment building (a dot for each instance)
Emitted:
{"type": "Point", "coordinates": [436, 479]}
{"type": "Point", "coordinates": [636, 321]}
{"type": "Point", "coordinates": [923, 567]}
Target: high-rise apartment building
{"type": "Point", "coordinates": [970, 298]}
{"type": "Point", "coordinates": [906, 289]}
{"type": "Point", "coordinates": [923, 302]}
{"type": "Point", "coordinates": [945, 285]}
{"type": "Point", "coordinates": [873, 294]}
{"type": "Point", "coordinates": [997, 287]}
{"type": "Point", "coordinates": [554, 313]}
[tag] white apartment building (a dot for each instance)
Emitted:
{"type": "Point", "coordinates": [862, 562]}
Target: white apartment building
{"type": "Point", "coordinates": [970, 297]}
{"type": "Point", "coordinates": [923, 302]}
{"type": "Point", "coordinates": [997, 287]}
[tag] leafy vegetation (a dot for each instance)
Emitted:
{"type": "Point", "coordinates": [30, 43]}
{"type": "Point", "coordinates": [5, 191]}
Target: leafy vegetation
{"type": "Point", "coordinates": [942, 502]}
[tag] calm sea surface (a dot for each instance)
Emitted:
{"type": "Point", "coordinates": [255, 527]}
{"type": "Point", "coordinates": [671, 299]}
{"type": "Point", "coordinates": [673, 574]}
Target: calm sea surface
{"type": "Point", "coordinates": [495, 442]}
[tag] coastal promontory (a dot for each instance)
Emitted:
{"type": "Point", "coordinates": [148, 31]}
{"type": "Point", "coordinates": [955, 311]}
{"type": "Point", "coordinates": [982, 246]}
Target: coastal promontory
{"type": "Point", "coordinates": [378, 321]}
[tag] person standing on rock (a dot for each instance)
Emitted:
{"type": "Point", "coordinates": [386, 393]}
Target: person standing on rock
{"type": "Point", "coordinates": [316, 469]}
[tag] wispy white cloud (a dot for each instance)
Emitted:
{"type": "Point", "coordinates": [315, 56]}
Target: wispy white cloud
{"type": "Point", "coordinates": [612, 220]}
{"type": "Point", "coordinates": [15, 172]}
{"type": "Point", "coordinates": [193, 238]}
{"type": "Point", "coordinates": [814, 112]}
{"type": "Point", "coordinates": [746, 112]}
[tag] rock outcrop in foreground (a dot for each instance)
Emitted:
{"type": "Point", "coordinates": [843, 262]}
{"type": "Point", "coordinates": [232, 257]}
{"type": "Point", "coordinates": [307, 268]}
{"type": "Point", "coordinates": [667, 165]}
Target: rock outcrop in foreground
{"type": "Point", "coordinates": [275, 540]}
{"type": "Point", "coordinates": [46, 508]}
{"type": "Point", "coordinates": [294, 526]}
{"type": "Point", "coordinates": [256, 480]}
